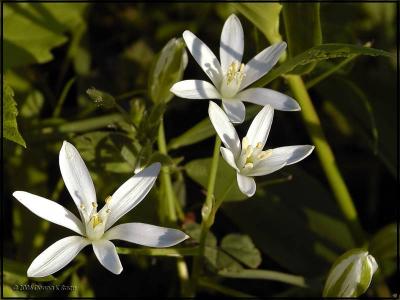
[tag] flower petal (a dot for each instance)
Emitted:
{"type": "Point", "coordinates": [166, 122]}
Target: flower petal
{"type": "Point", "coordinates": [247, 185]}
{"type": "Point", "coordinates": [281, 157]}
{"type": "Point", "coordinates": [50, 211]}
{"type": "Point", "coordinates": [204, 57]}
{"type": "Point", "coordinates": [263, 97]}
{"type": "Point", "coordinates": [262, 63]}
{"type": "Point", "coordinates": [107, 255]}
{"type": "Point", "coordinates": [195, 89]}
{"type": "Point", "coordinates": [131, 193]}
{"type": "Point", "coordinates": [57, 256]}
{"type": "Point", "coordinates": [76, 176]}
{"type": "Point", "coordinates": [259, 128]}
{"type": "Point", "coordinates": [235, 110]}
{"type": "Point", "coordinates": [232, 42]}
{"type": "Point", "coordinates": [229, 157]}
{"type": "Point", "coordinates": [224, 128]}
{"type": "Point", "coordinates": [146, 235]}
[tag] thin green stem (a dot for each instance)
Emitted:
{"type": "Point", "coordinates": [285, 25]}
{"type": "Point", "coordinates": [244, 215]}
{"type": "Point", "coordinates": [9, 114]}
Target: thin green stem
{"type": "Point", "coordinates": [166, 180]}
{"type": "Point", "coordinates": [63, 96]}
{"type": "Point", "coordinates": [172, 252]}
{"type": "Point", "coordinates": [266, 275]}
{"type": "Point", "coordinates": [130, 94]}
{"type": "Point", "coordinates": [326, 157]}
{"type": "Point", "coordinates": [207, 213]}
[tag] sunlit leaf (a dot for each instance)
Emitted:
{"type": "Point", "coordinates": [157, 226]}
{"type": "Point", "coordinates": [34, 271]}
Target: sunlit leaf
{"type": "Point", "coordinates": [242, 248]}
{"type": "Point", "coordinates": [316, 54]}
{"type": "Point", "coordinates": [303, 29]}
{"type": "Point", "coordinates": [10, 112]}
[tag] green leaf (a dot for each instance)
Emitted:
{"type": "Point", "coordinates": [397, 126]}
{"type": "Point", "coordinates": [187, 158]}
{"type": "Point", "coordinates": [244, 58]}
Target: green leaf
{"type": "Point", "coordinates": [168, 69]}
{"type": "Point", "coordinates": [265, 16]}
{"type": "Point", "coordinates": [45, 22]}
{"type": "Point", "coordinates": [303, 29]}
{"type": "Point", "coordinates": [203, 130]}
{"type": "Point", "coordinates": [316, 54]}
{"type": "Point", "coordinates": [10, 112]}
{"type": "Point", "coordinates": [242, 248]}
{"type": "Point", "coordinates": [199, 132]}
{"type": "Point", "coordinates": [226, 187]}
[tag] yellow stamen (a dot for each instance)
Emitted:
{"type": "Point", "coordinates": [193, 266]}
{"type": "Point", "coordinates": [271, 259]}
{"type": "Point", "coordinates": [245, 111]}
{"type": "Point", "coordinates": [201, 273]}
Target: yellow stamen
{"type": "Point", "coordinates": [96, 220]}
{"type": "Point", "coordinates": [248, 165]}
{"type": "Point", "coordinates": [108, 199]}
{"type": "Point", "coordinates": [259, 145]}
{"type": "Point", "coordinates": [265, 154]}
{"type": "Point", "coordinates": [94, 204]}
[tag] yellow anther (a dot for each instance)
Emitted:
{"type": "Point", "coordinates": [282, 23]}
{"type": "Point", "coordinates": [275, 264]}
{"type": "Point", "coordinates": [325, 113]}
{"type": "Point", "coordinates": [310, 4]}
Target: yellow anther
{"type": "Point", "coordinates": [245, 142]}
{"type": "Point", "coordinates": [108, 210]}
{"type": "Point", "coordinates": [96, 220]}
{"type": "Point", "coordinates": [94, 204]}
{"type": "Point", "coordinates": [259, 145]}
{"type": "Point", "coordinates": [248, 165]}
{"type": "Point", "coordinates": [235, 72]}
{"type": "Point", "coordinates": [108, 199]}
{"type": "Point", "coordinates": [82, 207]}
{"type": "Point", "coordinates": [264, 154]}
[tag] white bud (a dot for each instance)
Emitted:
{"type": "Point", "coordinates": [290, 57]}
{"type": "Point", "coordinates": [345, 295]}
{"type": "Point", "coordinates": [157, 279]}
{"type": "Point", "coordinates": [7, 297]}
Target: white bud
{"type": "Point", "coordinates": [351, 274]}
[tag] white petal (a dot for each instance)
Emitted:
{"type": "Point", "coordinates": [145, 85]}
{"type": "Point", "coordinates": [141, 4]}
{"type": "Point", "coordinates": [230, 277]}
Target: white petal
{"type": "Point", "coordinates": [107, 255]}
{"type": "Point", "coordinates": [131, 193]}
{"type": "Point", "coordinates": [50, 211]}
{"type": "Point", "coordinates": [146, 235]}
{"type": "Point", "coordinates": [224, 128]}
{"type": "Point", "coordinates": [247, 185]}
{"type": "Point", "coordinates": [262, 63]}
{"type": "Point", "coordinates": [76, 176]}
{"type": "Point", "coordinates": [259, 128]}
{"type": "Point", "coordinates": [57, 256]}
{"type": "Point", "coordinates": [232, 42]}
{"type": "Point", "coordinates": [263, 97]}
{"type": "Point", "coordinates": [281, 157]}
{"type": "Point", "coordinates": [235, 110]}
{"type": "Point", "coordinates": [195, 89]}
{"type": "Point", "coordinates": [229, 157]}
{"type": "Point", "coordinates": [204, 57]}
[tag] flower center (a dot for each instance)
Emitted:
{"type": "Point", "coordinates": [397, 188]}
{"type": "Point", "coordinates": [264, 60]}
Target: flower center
{"type": "Point", "coordinates": [232, 79]}
{"type": "Point", "coordinates": [251, 156]}
{"type": "Point", "coordinates": [95, 221]}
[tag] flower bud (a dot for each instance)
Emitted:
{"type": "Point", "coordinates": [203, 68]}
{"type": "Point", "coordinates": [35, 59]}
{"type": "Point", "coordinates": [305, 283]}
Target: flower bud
{"type": "Point", "coordinates": [351, 274]}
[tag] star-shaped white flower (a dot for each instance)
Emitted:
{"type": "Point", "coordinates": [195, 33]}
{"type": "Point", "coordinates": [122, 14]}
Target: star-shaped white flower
{"type": "Point", "coordinates": [95, 227]}
{"type": "Point", "coordinates": [230, 78]}
{"type": "Point", "coordinates": [248, 157]}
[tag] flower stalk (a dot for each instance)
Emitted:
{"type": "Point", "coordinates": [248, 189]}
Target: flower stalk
{"type": "Point", "coordinates": [326, 157]}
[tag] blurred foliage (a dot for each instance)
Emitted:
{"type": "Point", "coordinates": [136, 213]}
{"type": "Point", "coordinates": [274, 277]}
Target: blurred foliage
{"type": "Point", "coordinates": [99, 74]}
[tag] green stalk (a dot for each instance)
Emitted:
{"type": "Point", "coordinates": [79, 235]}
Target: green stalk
{"type": "Point", "coordinates": [207, 213]}
{"type": "Point", "coordinates": [166, 182]}
{"type": "Point", "coordinates": [326, 157]}
{"type": "Point", "coordinates": [211, 285]}
{"type": "Point", "coordinates": [173, 252]}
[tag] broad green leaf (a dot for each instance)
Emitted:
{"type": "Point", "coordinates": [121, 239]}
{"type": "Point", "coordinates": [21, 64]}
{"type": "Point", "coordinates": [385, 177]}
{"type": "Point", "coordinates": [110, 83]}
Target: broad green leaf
{"type": "Point", "coordinates": [226, 188]}
{"type": "Point", "coordinates": [265, 16]}
{"type": "Point", "coordinates": [167, 69]}
{"type": "Point", "coordinates": [46, 24]}
{"type": "Point", "coordinates": [316, 54]}
{"type": "Point", "coordinates": [298, 240]}
{"type": "Point", "coordinates": [303, 29]}
{"type": "Point", "coordinates": [242, 248]}
{"type": "Point", "coordinates": [10, 112]}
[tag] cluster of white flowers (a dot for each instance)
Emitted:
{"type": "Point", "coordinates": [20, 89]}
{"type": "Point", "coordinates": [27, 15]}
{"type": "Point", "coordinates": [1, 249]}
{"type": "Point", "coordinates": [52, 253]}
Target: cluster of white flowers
{"type": "Point", "coordinates": [231, 79]}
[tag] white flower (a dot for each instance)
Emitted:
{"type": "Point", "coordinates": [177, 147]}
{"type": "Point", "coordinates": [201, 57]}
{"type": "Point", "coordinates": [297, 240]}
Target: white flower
{"type": "Point", "coordinates": [351, 274]}
{"type": "Point", "coordinates": [231, 77]}
{"type": "Point", "coordinates": [248, 157]}
{"type": "Point", "coordinates": [95, 227]}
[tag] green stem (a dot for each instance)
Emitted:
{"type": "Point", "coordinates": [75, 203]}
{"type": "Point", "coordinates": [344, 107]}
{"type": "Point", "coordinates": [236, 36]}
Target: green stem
{"type": "Point", "coordinates": [173, 252]}
{"type": "Point", "coordinates": [207, 213]}
{"type": "Point", "coordinates": [326, 157]}
{"type": "Point", "coordinates": [166, 180]}
{"type": "Point", "coordinates": [266, 275]}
